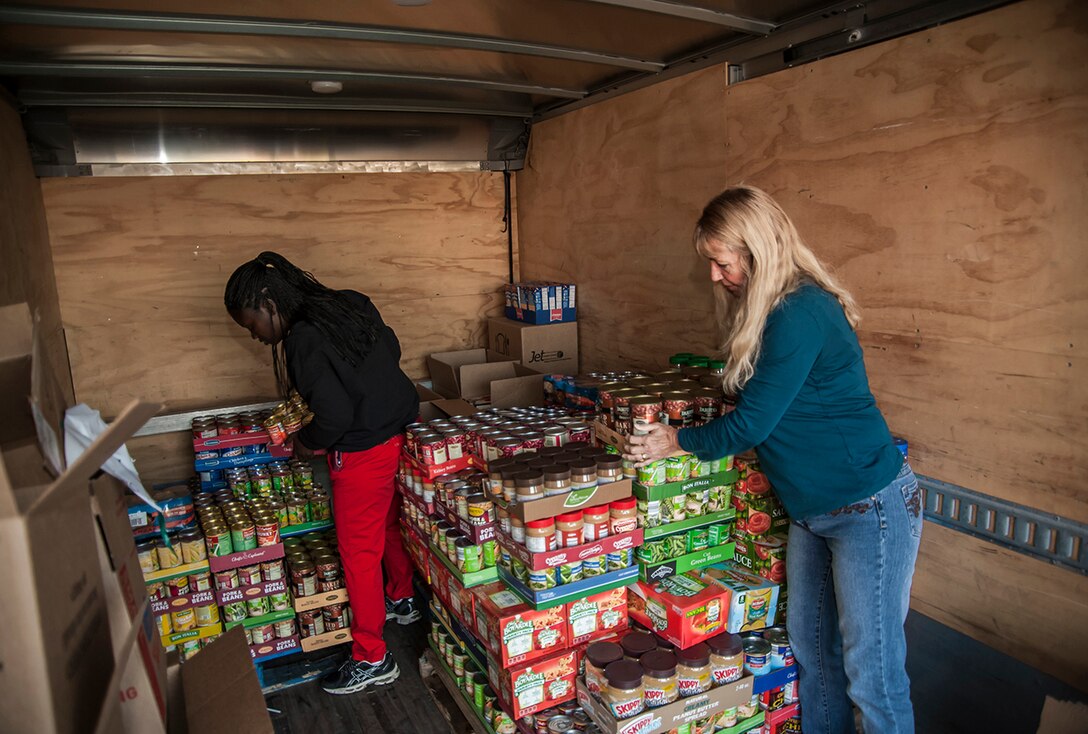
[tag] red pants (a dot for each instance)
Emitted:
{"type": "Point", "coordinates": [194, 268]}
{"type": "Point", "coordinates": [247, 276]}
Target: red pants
{"type": "Point", "coordinates": [368, 530]}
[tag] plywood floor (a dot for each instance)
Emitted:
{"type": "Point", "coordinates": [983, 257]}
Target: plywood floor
{"type": "Point", "coordinates": [406, 707]}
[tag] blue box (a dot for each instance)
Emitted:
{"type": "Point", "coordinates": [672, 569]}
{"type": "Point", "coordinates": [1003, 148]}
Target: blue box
{"type": "Point", "coordinates": [569, 592]}
{"type": "Point", "coordinates": [233, 461]}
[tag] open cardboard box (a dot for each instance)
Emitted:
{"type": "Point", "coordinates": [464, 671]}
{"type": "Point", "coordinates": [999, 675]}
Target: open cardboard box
{"type": "Point", "coordinates": [56, 658]}
{"type": "Point", "coordinates": [477, 373]}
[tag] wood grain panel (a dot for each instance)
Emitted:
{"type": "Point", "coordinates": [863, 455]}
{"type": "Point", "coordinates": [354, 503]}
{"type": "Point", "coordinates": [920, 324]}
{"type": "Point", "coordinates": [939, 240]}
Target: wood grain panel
{"type": "Point", "coordinates": [142, 264]}
{"type": "Point", "coordinates": [26, 273]}
{"type": "Point", "coordinates": [608, 199]}
{"type": "Point", "coordinates": [954, 210]}
{"type": "Point", "coordinates": [1023, 598]}
{"type": "Point", "coordinates": [943, 176]}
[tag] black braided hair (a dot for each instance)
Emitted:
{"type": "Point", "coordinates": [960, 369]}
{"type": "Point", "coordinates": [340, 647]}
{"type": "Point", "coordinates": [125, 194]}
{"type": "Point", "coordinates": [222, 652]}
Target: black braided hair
{"type": "Point", "coordinates": [299, 296]}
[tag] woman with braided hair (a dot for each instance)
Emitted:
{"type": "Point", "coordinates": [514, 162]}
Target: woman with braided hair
{"type": "Point", "coordinates": [333, 347]}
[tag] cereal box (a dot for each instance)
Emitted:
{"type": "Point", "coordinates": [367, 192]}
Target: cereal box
{"type": "Point", "coordinates": [597, 616]}
{"type": "Point", "coordinates": [683, 609]}
{"type": "Point", "coordinates": [514, 632]}
{"type": "Point", "coordinates": [754, 599]}
{"type": "Point", "coordinates": [537, 685]}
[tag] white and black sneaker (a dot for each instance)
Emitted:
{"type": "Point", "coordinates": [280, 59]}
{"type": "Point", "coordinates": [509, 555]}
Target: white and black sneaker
{"type": "Point", "coordinates": [404, 611]}
{"type": "Point", "coordinates": [356, 675]}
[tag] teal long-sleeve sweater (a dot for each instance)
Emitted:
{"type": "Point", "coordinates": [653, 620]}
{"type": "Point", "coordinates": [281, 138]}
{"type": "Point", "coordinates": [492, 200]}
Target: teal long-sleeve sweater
{"type": "Point", "coordinates": [807, 411]}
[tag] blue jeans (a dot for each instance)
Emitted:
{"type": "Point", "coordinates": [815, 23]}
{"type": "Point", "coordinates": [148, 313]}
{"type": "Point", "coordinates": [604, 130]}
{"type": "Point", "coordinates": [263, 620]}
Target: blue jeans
{"type": "Point", "coordinates": [849, 575]}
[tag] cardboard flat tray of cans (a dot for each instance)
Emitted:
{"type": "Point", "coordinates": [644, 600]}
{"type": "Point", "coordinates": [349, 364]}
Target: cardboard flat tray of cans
{"type": "Point", "coordinates": [476, 533]}
{"type": "Point", "coordinates": [468, 580]}
{"type": "Point", "coordinates": [180, 603]}
{"type": "Point", "coordinates": [651, 572]}
{"type": "Point", "coordinates": [245, 558]}
{"type": "Point", "coordinates": [686, 710]}
{"type": "Point", "coordinates": [548, 598]}
{"type": "Point", "coordinates": [576, 499]}
{"type": "Point", "coordinates": [540, 561]}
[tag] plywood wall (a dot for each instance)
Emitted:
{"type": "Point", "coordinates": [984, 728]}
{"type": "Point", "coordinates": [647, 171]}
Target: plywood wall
{"type": "Point", "coordinates": [943, 176]}
{"type": "Point", "coordinates": [142, 262]}
{"type": "Point", "coordinates": [26, 263]}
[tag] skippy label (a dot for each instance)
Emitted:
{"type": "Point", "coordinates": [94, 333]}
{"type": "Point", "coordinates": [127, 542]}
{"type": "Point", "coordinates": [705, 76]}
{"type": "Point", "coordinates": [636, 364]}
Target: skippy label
{"type": "Point", "coordinates": [726, 675]}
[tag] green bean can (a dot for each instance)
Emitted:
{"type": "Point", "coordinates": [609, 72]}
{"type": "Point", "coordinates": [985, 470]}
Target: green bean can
{"type": "Point", "coordinates": [649, 513]}
{"type": "Point", "coordinates": [570, 572]}
{"type": "Point", "coordinates": [697, 503]}
{"type": "Point", "coordinates": [279, 602]}
{"type": "Point", "coordinates": [676, 509]}
{"type": "Point", "coordinates": [698, 468]}
{"type": "Point", "coordinates": [479, 686]}
{"type": "Point", "coordinates": [652, 474]}
{"type": "Point", "coordinates": [698, 539]}
{"type": "Point", "coordinates": [595, 566]}
{"type": "Point", "coordinates": [677, 469]}
{"type": "Point", "coordinates": [235, 611]}
{"type": "Point", "coordinates": [488, 548]}
{"type": "Point", "coordinates": [521, 573]}
{"type": "Point", "coordinates": [619, 560]}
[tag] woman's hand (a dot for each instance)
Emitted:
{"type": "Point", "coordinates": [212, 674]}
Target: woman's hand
{"type": "Point", "coordinates": [299, 449]}
{"type": "Point", "coordinates": [660, 443]}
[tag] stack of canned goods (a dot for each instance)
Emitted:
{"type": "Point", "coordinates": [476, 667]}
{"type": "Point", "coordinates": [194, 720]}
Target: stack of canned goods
{"type": "Point", "coordinates": [567, 717]}
{"type": "Point", "coordinates": [181, 548]}
{"type": "Point", "coordinates": [314, 565]}
{"type": "Point", "coordinates": [272, 570]}
{"type": "Point", "coordinates": [287, 418]}
{"type": "Point", "coordinates": [222, 426]}
{"type": "Point", "coordinates": [231, 525]}
{"type": "Point", "coordinates": [288, 489]}
{"type": "Point", "coordinates": [489, 434]}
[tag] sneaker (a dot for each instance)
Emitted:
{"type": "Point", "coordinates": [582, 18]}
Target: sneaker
{"type": "Point", "coordinates": [356, 675]}
{"type": "Point", "coordinates": [404, 611]}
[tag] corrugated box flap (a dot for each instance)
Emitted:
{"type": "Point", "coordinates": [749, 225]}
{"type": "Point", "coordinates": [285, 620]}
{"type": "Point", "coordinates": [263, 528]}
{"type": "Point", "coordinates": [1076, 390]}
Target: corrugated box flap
{"type": "Point", "coordinates": [222, 694]}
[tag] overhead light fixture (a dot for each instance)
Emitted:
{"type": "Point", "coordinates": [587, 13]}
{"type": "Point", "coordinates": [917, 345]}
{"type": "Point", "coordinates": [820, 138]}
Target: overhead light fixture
{"type": "Point", "coordinates": [411, 3]}
{"type": "Point", "coordinates": [326, 87]}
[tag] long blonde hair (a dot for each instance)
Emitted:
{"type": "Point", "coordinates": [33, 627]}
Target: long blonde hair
{"type": "Point", "coordinates": [749, 223]}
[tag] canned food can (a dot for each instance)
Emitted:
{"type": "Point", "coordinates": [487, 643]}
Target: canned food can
{"type": "Point", "coordinates": [218, 540]}
{"type": "Point", "coordinates": [162, 621]}
{"type": "Point", "coordinates": [201, 581]}
{"type": "Point", "coordinates": [235, 611]}
{"type": "Point", "coordinates": [227, 580]}
{"type": "Point", "coordinates": [263, 633]}
{"type": "Point", "coordinates": [279, 601]}
{"type": "Point", "coordinates": [206, 615]}
{"type": "Point", "coordinates": [177, 587]}
{"type": "Point", "coordinates": [258, 607]}
{"type": "Point", "coordinates": [311, 623]}
{"type": "Point", "coordinates": [334, 617]}
{"type": "Point", "coordinates": [183, 620]}
{"type": "Point", "coordinates": [272, 570]}
{"type": "Point", "coordinates": [249, 575]}
{"type": "Point", "coordinates": [188, 648]}
{"type": "Point", "coordinates": [285, 628]}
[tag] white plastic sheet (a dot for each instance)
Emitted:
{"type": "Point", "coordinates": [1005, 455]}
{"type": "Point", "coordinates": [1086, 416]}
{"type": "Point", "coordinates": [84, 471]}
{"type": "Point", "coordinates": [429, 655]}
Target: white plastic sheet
{"type": "Point", "coordinates": [82, 425]}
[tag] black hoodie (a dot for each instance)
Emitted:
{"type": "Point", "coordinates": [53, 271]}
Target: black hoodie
{"type": "Point", "coordinates": [355, 407]}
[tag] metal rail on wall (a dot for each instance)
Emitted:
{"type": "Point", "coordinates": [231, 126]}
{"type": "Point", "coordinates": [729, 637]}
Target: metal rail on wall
{"type": "Point", "coordinates": [1026, 530]}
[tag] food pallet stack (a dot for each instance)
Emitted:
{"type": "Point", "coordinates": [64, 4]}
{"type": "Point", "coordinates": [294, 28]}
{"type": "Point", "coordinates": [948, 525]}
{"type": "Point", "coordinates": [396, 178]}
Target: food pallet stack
{"type": "Point", "coordinates": [317, 582]}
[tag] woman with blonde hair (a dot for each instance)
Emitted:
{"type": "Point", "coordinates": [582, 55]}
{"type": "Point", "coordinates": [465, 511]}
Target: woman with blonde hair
{"type": "Point", "coordinates": [804, 405]}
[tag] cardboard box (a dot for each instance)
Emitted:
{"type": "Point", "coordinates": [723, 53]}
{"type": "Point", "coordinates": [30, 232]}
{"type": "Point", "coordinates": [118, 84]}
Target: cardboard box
{"type": "Point", "coordinates": [654, 572]}
{"type": "Point", "coordinates": [433, 406]}
{"type": "Point", "coordinates": [547, 348]}
{"type": "Point", "coordinates": [575, 500]}
{"type": "Point", "coordinates": [515, 633]}
{"type": "Point", "coordinates": [537, 685]}
{"type": "Point", "coordinates": [754, 600]}
{"type": "Point", "coordinates": [568, 592]}
{"type": "Point", "coordinates": [597, 616]}
{"type": "Point", "coordinates": [764, 557]}
{"type": "Point", "coordinates": [56, 655]}
{"type": "Point", "coordinates": [306, 603]}
{"type": "Point", "coordinates": [684, 609]}
{"type": "Point", "coordinates": [478, 373]}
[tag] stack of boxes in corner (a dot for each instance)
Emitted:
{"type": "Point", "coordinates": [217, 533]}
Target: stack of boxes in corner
{"type": "Point", "coordinates": [711, 659]}
{"type": "Point", "coordinates": [539, 329]}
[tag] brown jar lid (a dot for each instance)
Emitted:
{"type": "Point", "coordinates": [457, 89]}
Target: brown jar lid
{"type": "Point", "coordinates": [529, 478]}
{"type": "Point", "coordinates": [637, 644]}
{"type": "Point", "coordinates": [658, 664]}
{"type": "Point", "coordinates": [304, 567]}
{"type": "Point", "coordinates": [539, 463]}
{"type": "Point", "coordinates": [696, 656]}
{"type": "Point", "coordinates": [511, 470]}
{"type": "Point", "coordinates": [624, 674]}
{"type": "Point", "coordinates": [609, 462]}
{"type": "Point", "coordinates": [583, 466]}
{"type": "Point", "coordinates": [551, 450]}
{"type": "Point", "coordinates": [500, 463]}
{"type": "Point", "coordinates": [676, 395]}
{"type": "Point", "coordinates": [556, 473]}
{"type": "Point", "coordinates": [601, 654]}
{"type": "Point", "coordinates": [725, 645]}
